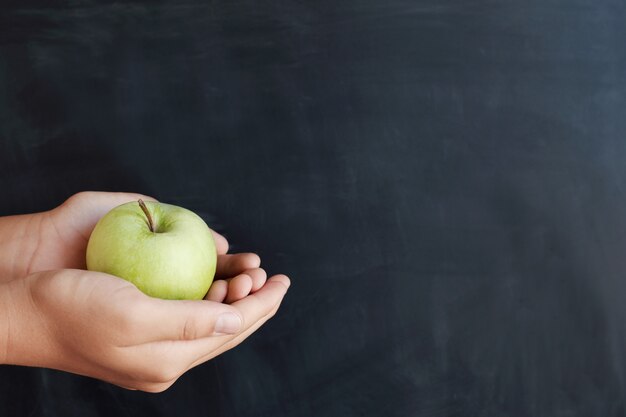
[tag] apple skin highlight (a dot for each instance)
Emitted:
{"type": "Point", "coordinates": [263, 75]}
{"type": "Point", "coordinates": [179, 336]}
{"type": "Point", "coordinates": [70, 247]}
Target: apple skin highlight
{"type": "Point", "coordinates": [176, 261]}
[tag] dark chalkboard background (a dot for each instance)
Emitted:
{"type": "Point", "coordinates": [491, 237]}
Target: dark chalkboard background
{"type": "Point", "coordinates": [444, 181]}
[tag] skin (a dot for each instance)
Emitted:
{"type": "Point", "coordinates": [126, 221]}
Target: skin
{"type": "Point", "coordinates": [55, 314]}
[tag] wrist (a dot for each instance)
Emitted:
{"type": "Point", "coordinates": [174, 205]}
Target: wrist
{"type": "Point", "coordinates": [20, 237]}
{"type": "Point", "coordinates": [6, 313]}
{"type": "Point", "coordinates": [20, 326]}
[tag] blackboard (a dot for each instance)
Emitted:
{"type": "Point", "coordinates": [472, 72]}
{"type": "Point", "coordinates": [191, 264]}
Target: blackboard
{"type": "Point", "coordinates": [443, 181]}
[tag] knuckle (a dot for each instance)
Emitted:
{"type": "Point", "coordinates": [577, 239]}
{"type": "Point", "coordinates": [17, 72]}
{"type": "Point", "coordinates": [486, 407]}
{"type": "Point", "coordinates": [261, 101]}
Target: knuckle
{"type": "Point", "coordinates": [190, 329]}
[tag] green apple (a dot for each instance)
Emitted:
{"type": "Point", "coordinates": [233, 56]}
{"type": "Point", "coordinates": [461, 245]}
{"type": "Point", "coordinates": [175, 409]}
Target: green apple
{"type": "Point", "coordinates": [166, 251]}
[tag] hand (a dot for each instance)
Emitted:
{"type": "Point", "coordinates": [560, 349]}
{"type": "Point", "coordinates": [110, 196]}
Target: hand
{"type": "Point", "coordinates": [101, 326]}
{"type": "Point", "coordinates": [57, 239]}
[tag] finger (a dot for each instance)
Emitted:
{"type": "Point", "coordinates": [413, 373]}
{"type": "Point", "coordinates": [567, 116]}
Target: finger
{"type": "Point", "coordinates": [235, 340]}
{"type": "Point", "coordinates": [261, 303]}
{"type": "Point", "coordinates": [220, 243]}
{"type": "Point", "coordinates": [220, 288]}
{"type": "Point", "coordinates": [103, 202]}
{"type": "Point", "coordinates": [87, 207]}
{"type": "Point", "coordinates": [218, 291]}
{"type": "Point", "coordinates": [229, 266]}
{"type": "Point", "coordinates": [256, 309]}
{"type": "Point", "coordinates": [259, 276]}
{"type": "Point", "coordinates": [158, 320]}
{"type": "Point", "coordinates": [238, 288]}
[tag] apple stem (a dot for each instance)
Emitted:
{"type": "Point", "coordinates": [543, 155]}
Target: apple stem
{"type": "Point", "coordinates": [145, 210]}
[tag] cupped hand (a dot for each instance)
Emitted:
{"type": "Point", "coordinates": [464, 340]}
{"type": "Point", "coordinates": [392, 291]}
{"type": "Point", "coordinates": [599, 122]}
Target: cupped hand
{"type": "Point", "coordinates": [60, 316]}
{"type": "Point", "coordinates": [101, 326]}
{"type": "Point", "coordinates": [57, 239]}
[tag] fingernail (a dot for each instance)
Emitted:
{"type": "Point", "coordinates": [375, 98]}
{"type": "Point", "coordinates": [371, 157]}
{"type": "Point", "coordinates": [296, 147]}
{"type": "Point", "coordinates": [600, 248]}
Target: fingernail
{"type": "Point", "coordinates": [227, 323]}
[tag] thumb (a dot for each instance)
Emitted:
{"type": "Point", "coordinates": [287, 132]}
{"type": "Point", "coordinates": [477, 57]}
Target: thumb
{"type": "Point", "coordinates": [186, 320]}
{"type": "Point", "coordinates": [84, 209]}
